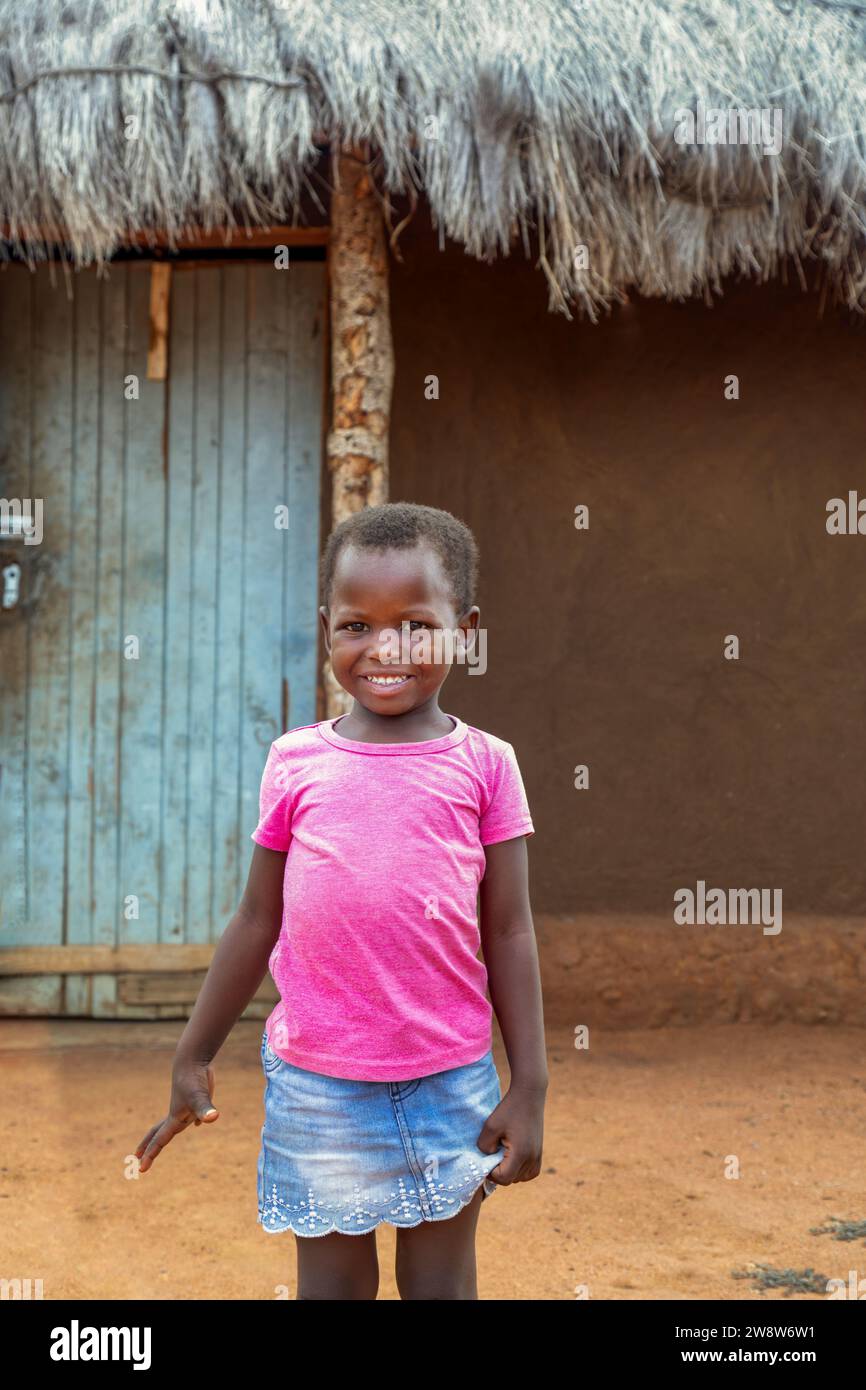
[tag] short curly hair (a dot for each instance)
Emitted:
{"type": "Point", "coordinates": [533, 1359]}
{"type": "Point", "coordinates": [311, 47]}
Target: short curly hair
{"type": "Point", "coordinates": [402, 525]}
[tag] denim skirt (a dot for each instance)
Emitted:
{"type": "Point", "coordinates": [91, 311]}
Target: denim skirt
{"type": "Point", "coordinates": [343, 1155]}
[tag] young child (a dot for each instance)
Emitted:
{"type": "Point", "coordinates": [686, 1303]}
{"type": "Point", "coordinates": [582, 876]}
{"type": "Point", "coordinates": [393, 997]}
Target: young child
{"type": "Point", "coordinates": [381, 833]}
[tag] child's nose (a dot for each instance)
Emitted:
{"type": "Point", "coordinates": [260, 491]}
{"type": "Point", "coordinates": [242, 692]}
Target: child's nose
{"type": "Point", "coordinates": [380, 647]}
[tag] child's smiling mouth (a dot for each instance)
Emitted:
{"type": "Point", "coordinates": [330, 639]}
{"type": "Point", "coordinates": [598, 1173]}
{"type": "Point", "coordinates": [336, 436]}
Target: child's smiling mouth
{"type": "Point", "coordinates": [384, 685]}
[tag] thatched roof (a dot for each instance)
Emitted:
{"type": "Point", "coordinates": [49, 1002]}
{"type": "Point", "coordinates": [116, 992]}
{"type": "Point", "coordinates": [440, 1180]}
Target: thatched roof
{"type": "Point", "coordinates": [556, 126]}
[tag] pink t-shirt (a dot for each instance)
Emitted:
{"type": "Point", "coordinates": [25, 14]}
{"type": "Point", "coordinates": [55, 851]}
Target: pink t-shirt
{"type": "Point", "coordinates": [377, 958]}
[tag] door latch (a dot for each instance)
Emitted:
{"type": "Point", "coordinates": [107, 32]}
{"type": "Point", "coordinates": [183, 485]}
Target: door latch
{"type": "Point", "coordinates": [11, 585]}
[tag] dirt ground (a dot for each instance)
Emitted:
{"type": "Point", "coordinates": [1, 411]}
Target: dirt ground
{"type": "Point", "coordinates": [633, 1201]}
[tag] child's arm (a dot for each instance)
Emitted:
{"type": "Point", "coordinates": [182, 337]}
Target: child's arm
{"type": "Point", "coordinates": [236, 971]}
{"type": "Point", "coordinates": [511, 958]}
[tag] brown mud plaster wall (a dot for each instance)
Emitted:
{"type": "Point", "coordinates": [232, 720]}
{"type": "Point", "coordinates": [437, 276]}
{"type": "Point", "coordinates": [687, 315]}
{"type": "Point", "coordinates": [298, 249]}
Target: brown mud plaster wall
{"type": "Point", "coordinates": [707, 517]}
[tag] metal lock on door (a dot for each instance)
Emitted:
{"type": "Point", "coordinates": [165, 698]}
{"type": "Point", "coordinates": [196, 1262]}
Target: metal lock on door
{"type": "Point", "coordinates": [10, 594]}
{"type": "Point", "coordinates": [23, 576]}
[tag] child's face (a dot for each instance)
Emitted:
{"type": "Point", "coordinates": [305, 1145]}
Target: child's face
{"type": "Point", "coordinates": [375, 592]}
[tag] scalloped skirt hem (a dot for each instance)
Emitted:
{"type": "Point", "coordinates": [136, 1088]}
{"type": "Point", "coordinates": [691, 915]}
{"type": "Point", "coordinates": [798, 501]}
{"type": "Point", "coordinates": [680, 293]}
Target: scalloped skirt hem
{"type": "Point", "coordinates": [487, 1186]}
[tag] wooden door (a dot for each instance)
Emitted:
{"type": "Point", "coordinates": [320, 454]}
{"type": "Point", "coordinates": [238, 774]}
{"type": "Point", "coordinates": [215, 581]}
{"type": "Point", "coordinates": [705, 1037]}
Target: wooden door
{"type": "Point", "coordinates": [165, 628]}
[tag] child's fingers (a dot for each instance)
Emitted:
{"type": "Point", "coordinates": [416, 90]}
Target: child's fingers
{"type": "Point", "coordinates": [164, 1134]}
{"type": "Point", "coordinates": [146, 1140]}
{"type": "Point", "coordinates": [489, 1140]}
{"type": "Point", "coordinates": [197, 1091]}
{"type": "Point", "coordinates": [521, 1161]}
{"type": "Point", "coordinates": [491, 1136]}
{"type": "Point", "coordinates": [519, 1165]}
{"type": "Point", "coordinates": [506, 1172]}
{"type": "Point", "coordinates": [202, 1108]}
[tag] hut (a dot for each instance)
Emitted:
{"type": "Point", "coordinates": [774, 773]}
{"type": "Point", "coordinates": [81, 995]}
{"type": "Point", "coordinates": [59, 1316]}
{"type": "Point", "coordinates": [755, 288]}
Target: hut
{"type": "Point", "coordinates": [589, 275]}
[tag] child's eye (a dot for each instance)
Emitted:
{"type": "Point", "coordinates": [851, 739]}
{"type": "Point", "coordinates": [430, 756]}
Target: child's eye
{"type": "Point", "coordinates": [358, 626]}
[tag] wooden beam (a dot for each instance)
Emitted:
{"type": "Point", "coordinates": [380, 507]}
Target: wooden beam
{"type": "Point", "coordinates": [176, 987]}
{"type": "Point", "coordinates": [234, 238]}
{"type": "Point", "coordinates": [238, 238]}
{"type": "Point", "coordinates": [103, 960]}
{"type": "Point", "coordinates": [362, 355]}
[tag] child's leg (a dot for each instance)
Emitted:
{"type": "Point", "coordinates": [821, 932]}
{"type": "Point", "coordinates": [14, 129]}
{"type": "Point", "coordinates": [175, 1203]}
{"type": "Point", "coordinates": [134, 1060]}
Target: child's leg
{"type": "Point", "coordinates": [337, 1266]}
{"type": "Point", "coordinates": [437, 1258]}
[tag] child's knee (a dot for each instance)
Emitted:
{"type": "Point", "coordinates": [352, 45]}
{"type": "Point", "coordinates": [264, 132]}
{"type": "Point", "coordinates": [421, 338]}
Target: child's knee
{"type": "Point", "coordinates": [339, 1286]}
{"type": "Point", "coordinates": [337, 1267]}
{"type": "Point", "coordinates": [335, 1293]}
{"type": "Point", "coordinates": [437, 1286]}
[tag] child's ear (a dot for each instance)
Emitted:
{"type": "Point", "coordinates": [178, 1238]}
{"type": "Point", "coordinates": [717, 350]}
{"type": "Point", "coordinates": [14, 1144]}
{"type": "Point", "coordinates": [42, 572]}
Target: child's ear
{"type": "Point", "coordinates": [468, 624]}
{"type": "Point", "coordinates": [325, 620]}
{"type": "Point", "coordinates": [469, 621]}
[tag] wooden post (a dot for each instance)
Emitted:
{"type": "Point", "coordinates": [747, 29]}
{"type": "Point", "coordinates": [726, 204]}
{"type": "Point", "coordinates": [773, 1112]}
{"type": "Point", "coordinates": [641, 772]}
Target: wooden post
{"type": "Point", "coordinates": [362, 357]}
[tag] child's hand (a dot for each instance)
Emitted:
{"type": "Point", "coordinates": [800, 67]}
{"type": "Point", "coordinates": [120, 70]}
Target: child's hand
{"type": "Point", "coordinates": [517, 1124]}
{"type": "Point", "coordinates": [192, 1088]}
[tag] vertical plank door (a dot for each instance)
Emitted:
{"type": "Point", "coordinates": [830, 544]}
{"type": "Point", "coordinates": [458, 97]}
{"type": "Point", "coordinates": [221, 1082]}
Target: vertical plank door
{"type": "Point", "coordinates": [166, 629]}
